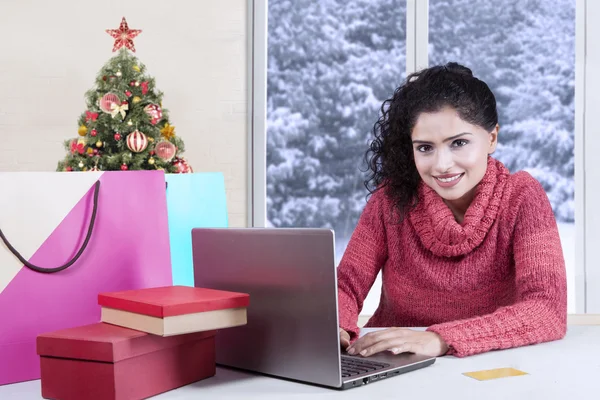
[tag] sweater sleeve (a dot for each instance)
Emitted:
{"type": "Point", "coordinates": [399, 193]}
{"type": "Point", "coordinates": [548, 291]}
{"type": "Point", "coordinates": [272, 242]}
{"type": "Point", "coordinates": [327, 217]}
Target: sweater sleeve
{"type": "Point", "coordinates": [539, 313]}
{"type": "Point", "coordinates": [364, 256]}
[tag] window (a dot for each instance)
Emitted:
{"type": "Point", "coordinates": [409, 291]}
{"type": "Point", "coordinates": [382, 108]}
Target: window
{"type": "Point", "coordinates": [328, 66]}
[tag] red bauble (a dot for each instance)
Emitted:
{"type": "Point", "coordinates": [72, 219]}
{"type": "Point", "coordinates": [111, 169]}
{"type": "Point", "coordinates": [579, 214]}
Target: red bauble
{"type": "Point", "coordinates": [69, 169]}
{"type": "Point", "coordinates": [165, 150]}
{"type": "Point", "coordinates": [93, 132]}
{"type": "Point", "coordinates": [128, 93]}
{"type": "Point", "coordinates": [107, 102]}
{"type": "Point", "coordinates": [117, 136]}
{"type": "Point", "coordinates": [137, 141]}
{"type": "Point", "coordinates": [182, 166]}
{"type": "Point", "coordinates": [132, 83]}
{"type": "Point", "coordinates": [124, 167]}
{"type": "Point", "coordinates": [154, 112]}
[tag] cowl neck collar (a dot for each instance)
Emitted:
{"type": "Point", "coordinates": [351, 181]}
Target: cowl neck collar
{"type": "Point", "coordinates": [436, 226]}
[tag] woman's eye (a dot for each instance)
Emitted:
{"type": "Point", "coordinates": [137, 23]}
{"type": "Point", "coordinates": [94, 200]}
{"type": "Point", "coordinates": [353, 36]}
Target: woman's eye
{"type": "Point", "coordinates": [460, 142]}
{"type": "Point", "coordinates": [424, 148]}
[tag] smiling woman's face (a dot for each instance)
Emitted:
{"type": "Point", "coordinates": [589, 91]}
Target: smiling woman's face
{"type": "Point", "coordinates": [451, 154]}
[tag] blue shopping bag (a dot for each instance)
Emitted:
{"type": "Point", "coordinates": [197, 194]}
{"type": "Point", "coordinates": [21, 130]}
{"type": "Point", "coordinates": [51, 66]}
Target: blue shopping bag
{"type": "Point", "coordinates": [195, 200]}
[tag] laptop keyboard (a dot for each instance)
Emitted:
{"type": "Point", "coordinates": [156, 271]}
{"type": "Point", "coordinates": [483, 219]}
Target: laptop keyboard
{"type": "Point", "coordinates": [355, 366]}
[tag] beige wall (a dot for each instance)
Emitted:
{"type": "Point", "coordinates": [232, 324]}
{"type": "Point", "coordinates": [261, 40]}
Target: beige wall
{"type": "Point", "coordinates": [50, 52]}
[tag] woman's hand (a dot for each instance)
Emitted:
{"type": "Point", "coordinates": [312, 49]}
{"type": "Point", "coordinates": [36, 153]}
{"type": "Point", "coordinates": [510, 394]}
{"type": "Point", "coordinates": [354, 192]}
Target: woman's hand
{"type": "Point", "coordinates": [399, 340]}
{"type": "Point", "coordinates": [344, 339]}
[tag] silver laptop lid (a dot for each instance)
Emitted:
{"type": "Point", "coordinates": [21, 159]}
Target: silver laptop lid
{"type": "Point", "coordinates": [290, 274]}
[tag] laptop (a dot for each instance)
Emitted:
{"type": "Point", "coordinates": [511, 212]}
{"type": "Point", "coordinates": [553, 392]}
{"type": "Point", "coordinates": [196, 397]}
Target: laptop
{"type": "Point", "coordinates": [292, 329]}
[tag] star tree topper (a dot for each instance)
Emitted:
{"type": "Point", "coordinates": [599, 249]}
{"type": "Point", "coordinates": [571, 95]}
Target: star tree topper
{"type": "Point", "coordinates": [123, 36]}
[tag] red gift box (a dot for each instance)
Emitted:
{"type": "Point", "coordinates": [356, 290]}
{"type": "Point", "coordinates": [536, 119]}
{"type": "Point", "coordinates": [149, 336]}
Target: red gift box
{"type": "Point", "coordinates": [174, 310]}
{"type": "Point", "coordinates": [103, 361]}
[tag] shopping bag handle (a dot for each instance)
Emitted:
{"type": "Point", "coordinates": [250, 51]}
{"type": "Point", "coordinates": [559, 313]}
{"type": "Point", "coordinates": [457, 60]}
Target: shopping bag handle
{"type": "Point", "coordinates": [83, 246]}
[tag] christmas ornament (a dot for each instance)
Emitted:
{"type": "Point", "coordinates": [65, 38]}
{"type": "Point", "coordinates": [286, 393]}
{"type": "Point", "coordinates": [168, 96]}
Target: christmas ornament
{"type": "Point", "coordinates": [93, 133]}
{"type": "Point", "coordinates": [94, 168]}
{"type": "Point", "coordinates": [124, 167]}
{"type": "Point", "coordinates": [77, 146]}
{"type": "Point", "coordinates": [128, 93]}
{"type": "Point", "coordinates": [144, 87]}
{"type": "Point", "coordinates": [80, 164]}
{"type": "Point", "coordinates": [123, 36]}
{"type": "Point", "coordinates": [68, 169]}
{"type": "Point", "coordinates": [116, 109]}
{"type": "Point", "coordinates": [137, 141]}
{"type": "Point", "coordinates": [129, 123]}
{"type": "Point", "coordinates": [107, 101]}
{"type": "Point", "coordinates": [104, 78]}
{"type": "Point", "coordinates": [182, 166]}
{"type": "Point", "coordinates": [90, 151]}
{"type": "Point", "coordinates": [136, 68]}
{"type": "Point", "coordinates": [82, 130]}
{"type": "Point", "coordinates": [117, 136]}
{"type": "Point", "coordinates": [90, 116]}
{"type": "Point", "coordinates": [137, 84]}
{"type": "Point", "coordinates": [154, 112]}
{"type": "Point", "coordinates": [165, 150]}
{"type": "Point", "coordinates": [151, 161]}
{"type": "Point", "coordinates": [168, 131]}
{"type": "Point", "coordinates": [136, 99]}
{"type": "Point", "coordinates": [119, 73]}
{"type": "Point", "coordinates": [132, 83]}
{"type": "Point", "coordinates": [98, 144]}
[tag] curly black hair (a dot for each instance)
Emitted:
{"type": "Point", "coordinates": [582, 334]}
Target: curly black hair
{"type": "Point", "coordinates": [390, 157]}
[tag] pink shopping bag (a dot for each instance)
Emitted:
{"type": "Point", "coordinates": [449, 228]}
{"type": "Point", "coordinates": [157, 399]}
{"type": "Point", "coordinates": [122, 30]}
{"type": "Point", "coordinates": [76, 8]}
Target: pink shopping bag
{"type": "Point", "coordinates": [65, 238]}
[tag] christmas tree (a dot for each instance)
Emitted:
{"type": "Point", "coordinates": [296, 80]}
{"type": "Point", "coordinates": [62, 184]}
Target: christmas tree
{"type": "Point", "coordinates": [124, 126]}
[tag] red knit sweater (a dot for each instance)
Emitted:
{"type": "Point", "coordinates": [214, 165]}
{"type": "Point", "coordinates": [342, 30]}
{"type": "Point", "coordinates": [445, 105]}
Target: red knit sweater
{"type": "Point", "coordinates": [495, 281]}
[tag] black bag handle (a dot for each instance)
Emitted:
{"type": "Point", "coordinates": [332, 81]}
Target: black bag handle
{"type": "Point", "coordinates": [83, 246]}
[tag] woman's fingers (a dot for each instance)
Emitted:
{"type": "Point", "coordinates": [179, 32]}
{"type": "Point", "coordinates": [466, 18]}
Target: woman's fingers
{"type": "Point", "coordinates": [375, 337]}
{"type": "Point", "coordinates": [344, 339]}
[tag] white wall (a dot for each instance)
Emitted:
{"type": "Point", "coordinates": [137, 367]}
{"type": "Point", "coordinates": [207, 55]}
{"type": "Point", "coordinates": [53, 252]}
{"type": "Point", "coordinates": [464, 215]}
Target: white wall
{"type": "Point", "coordinates": [50, 52]}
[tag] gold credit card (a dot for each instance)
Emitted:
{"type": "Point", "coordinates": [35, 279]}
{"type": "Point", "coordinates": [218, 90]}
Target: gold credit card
{"type": "Point", "coordinates": [494, 373]}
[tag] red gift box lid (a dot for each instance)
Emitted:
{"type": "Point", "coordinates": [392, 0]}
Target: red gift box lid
{"type": "Point", "coordinates": [107, 343]}
{"type": "Point", "coordinates": [173, 300]}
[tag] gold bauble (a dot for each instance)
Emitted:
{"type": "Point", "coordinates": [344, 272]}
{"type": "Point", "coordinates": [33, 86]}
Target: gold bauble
{"type": "Point", "coordinates": [136, 68]}
{"type": "Point", "coordinates": [98, 143]}
{"type": "Point", "coordinates": [151, 161]}
{"type": "Point", "coordinates": [89, 150]}
{"type": "Point", "coordinates": [82, 130]}
{"type": "Point", "coordinates": [136, 99]}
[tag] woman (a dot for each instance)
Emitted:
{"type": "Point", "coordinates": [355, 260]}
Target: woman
{"type": "Point", "coordinates": [466, 249]}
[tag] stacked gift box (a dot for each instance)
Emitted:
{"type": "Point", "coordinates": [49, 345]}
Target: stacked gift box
{"type": "Point", "coordinates": [149, 341]}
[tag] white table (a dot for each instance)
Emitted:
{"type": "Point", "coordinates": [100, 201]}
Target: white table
{"type": "Point", "coordinates": [566, 369]}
